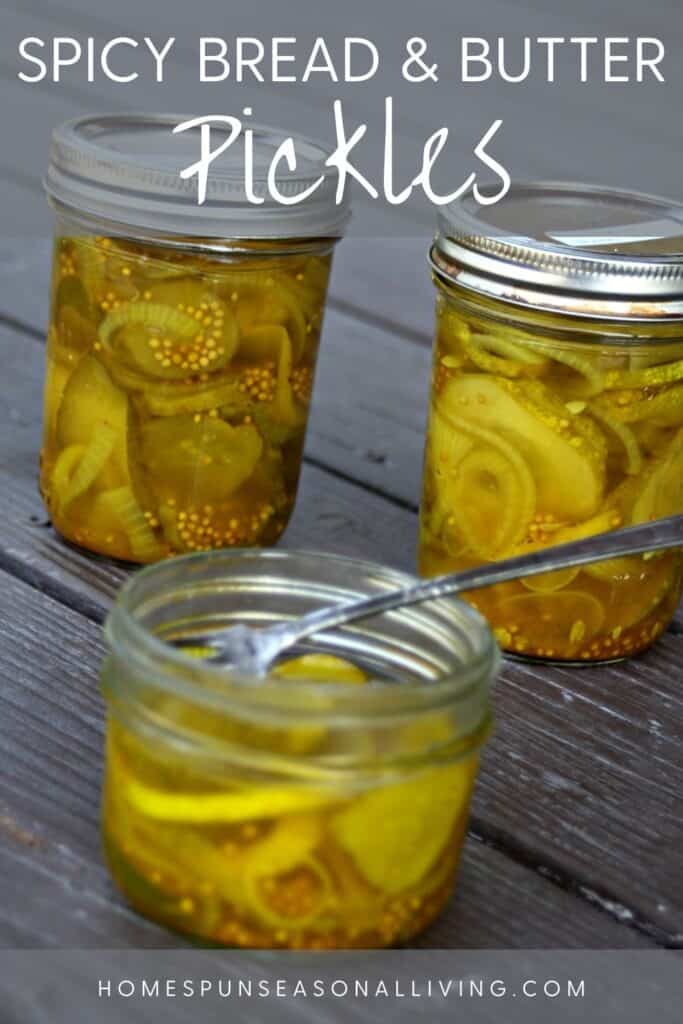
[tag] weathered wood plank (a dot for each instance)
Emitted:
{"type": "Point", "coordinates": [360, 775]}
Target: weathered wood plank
{"type": "Point", "coordinates": [55, 889]}
{"type": "Point", "coordinates": [581, 798]}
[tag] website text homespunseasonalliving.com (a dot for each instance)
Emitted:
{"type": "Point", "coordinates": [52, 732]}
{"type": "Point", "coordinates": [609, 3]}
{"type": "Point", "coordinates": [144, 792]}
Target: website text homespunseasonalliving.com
{"type": "Point", "coordinates": [380, 989]}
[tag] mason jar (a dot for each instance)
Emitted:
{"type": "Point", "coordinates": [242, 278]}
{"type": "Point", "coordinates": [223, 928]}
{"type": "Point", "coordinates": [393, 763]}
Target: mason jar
{"type": "Point", "coordinates": [182, 339]}
{"type": "Point", "coordinates": [557, 409]}
{"type": "Point", "coordinates": [323, 807]}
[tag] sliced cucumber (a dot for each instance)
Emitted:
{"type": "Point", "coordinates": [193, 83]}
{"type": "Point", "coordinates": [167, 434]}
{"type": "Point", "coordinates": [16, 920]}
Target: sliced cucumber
{"type": "Point", "coordinates": [123, 508]}
{"type": "Point", "coordinates": [603, 412]}
{"type": "Point", "coordinates": [664, 409]}
{"type": "Point", "coordinates": [286, 852]}
{"type": "Point", "coordinates": [566, 455]}
{"type": "Point", "coordinates": [92, 405]}
{"type": "Point", "coordinates": [591, 378]}
{"type": "Point", "coordinates": [565, 619]}
{"type": "Point", "coordinates": [417, 819]}
{"type": "Point", "coordinates": [493, 496]}
{"type": "Point", "coordinates": [198, 461]}
{"type": "Point", "coordinates": [178, 399]}
{"type": "Point", "coordinates": [495, 354]}
{"type": "Point", "coordinates": [91, 400]}
{"type": "Point", "coordinates": [64, 468]}
{"type": "Point", "coordinates": [263, 342]}
{"type": "Point", "coordinates": [163, 341]}
{"type": "Point", "coordinates": [230, 806]}
{"type": "Point", "coordinates": [662, 492]}
{"type": "Point", "coordinates": [320, 668]}
{"type": "Point", "coordinates": [651, 376]}
{"type": "Point", "coordinates": [94, 459]}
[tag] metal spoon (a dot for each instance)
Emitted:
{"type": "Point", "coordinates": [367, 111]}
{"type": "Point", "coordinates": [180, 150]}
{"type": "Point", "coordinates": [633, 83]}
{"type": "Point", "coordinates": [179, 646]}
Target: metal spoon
{"type": "Point", "coordinates": [251, 651]}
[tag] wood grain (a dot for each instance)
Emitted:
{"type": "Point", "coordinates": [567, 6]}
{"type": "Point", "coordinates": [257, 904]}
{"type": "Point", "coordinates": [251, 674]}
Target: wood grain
{"type": "Point", "coordinates": [598, 782]}
{"type": "Point", "coordinates": [51, 727]}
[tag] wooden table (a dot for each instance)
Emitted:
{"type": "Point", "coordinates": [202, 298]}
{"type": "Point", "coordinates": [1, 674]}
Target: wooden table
{"type": "Point", "coordinates": [576, 838]}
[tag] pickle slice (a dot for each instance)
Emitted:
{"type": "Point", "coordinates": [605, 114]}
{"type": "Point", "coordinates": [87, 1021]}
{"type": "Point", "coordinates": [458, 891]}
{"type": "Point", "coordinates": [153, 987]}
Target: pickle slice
{"type": "Point", "coordinates": [239, 520]}
{"type": "Point", "coordinates": [634, 458]}
{"type": "Point", "coordinates": [247, 804]}
{"type": "Point", "coordinates": [56, 378]}
{"type": "Point", "coordinates": [493, 497]}
{"type": "Point", "coordinates": [548, 582]}
{"type": "Point", "coordinates": [284, 408]}
{"type": "Point", "coordinates": [91, 400]}
{"type": "Point", "coordinates": [166, 342]}
{"type": "Point", "coordinates": [284, 859]}
{"type": "Point", "coordinates": [664, 409]}
{"type": "Point", "coordinates": [600, 523]}
{"type": "Point", "coordinates": [89, 467]}
{"type": "Point", "coordinates": [73, 316]}
{"type": "Point", "coordinates": [662, 493]}
{"type": "Point", "coordinates": [641, 584]}
{"type": "Point", "coordinates": [650, 376]}
{"type": "Point", "coordinates": [263, 298]}
{"type": "Point", "coordinates": [591, 379]}
{"type": "Point", "coordinates": [67, 461]}
{"type": "Point", "coordinates": [263, 342]}
{"type": "Point", "coordinates": [320, 668]}
{"type": "Point", "coordinates": [395, 834]}
{"type": "Point", "coordinates": [566, 455]}
{"type": "Point", "coordinates": [121, 505]}
{"type": "Point", "coordinates": [177, 399]}
{"type": "Point", "coordinates": [292, 897]}
{"type": "Point", "coordinates": [565, 619]}
{"type": "Point", "coordinates": [198, 460]}
{"type": "Point", "coordinates": [91, 406]}
{"type": "Point", "coordinates": [446, 447]}
{"type": "Point", "coordinates": [497, 355]}
{"type": "Point", "coordinates": [453, 334]}
{"type": "Point", "coordinates": [107, 274]}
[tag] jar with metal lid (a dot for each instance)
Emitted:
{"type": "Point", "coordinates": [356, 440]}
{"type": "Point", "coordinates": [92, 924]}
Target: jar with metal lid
{"type": "Point", "coordinates": [323, 807]}
{"type": "Point", "coordinates": [182, 340]}
{"type": "Point", "coordinates": [557, 409]}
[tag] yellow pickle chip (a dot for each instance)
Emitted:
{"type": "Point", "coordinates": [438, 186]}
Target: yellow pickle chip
{"type": "Point", "coordinates": [396, 833]}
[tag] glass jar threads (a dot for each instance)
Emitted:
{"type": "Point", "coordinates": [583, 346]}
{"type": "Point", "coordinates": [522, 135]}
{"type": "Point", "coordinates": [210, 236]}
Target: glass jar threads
{"type": "Point", "coordinates": [182, 342]}
{"type": "Point", "coordinates": [557, 409]}
{"type": "Point", "coordinates": [324, 807]}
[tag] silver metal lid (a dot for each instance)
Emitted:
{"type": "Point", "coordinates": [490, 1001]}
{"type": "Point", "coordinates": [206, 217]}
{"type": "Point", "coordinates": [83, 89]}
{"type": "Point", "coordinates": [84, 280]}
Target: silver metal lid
{"type": "Point", "coordinates": [125, 170]}
{"type": "Point", "coordinates": [578, 249]}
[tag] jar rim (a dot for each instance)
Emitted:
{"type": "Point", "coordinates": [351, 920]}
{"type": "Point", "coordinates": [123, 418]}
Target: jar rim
{"type": "Point", "coordinates": [125, 169]}
{"type": "Point", "coordinates": [621, 318]}
{"type": "Point", "coordinates": [177, 672]}
{"type": "Point", "coordinates": [576, 249]}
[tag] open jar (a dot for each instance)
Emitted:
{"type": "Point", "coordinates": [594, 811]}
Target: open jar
{"type": "Point", "coordinates": [182, 341]}
{"type": "Point", "coordinates": [557, 409]}
{"type": "Point", "coordinates": [324, 807]}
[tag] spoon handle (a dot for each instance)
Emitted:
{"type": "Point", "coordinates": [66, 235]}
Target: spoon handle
{"type": "Point", "coordinates": [653, 536]}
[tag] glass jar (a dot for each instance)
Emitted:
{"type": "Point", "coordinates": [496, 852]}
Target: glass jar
{"type": "Point", "coordinates": [182, 341]}
{"type": "Point", "coordinates": [557, 410]}
{"type": "Point", "coordinates": [302, 811]}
